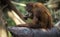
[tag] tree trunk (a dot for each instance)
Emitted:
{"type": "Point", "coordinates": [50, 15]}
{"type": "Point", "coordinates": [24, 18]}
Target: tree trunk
{"type": "Point", "coordinates": [3, 32]}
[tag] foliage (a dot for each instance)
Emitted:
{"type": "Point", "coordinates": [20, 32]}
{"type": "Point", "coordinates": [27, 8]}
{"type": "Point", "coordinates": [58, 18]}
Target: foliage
{"type": "Point", "coordinates": [23, 11]}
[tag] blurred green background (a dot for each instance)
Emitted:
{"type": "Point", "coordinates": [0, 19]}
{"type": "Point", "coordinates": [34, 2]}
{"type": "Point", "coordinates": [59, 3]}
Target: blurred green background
{"type": "Point", "coordinates": [54, 11]}
{"type": "Point", "coordinates": [52, 5]}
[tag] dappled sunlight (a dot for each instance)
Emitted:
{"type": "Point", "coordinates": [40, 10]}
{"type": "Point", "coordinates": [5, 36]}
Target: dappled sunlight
{"type": "Point", "coordinates": [15, 22]}
{"type": "Point", "coordinates": [21, 4]}
{"type": "Point", "coordinates": [15, 17]}
{"type": "Point", "coordinates": [3, 32]}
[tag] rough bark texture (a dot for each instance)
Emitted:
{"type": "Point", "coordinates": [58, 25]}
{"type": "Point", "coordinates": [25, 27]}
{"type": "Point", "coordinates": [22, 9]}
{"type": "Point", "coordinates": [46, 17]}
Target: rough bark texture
{"type": "Point", "coordinates": [27, 32]}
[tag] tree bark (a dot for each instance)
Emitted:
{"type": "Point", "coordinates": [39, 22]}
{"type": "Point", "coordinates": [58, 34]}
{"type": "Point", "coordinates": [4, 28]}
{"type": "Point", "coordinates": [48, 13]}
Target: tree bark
{"type": "Point", "coordinates": [3, 32]}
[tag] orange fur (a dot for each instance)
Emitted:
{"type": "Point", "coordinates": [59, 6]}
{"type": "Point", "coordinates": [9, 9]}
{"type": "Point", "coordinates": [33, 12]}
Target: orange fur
{"type": "Point", "coordinates": [41, 17]}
